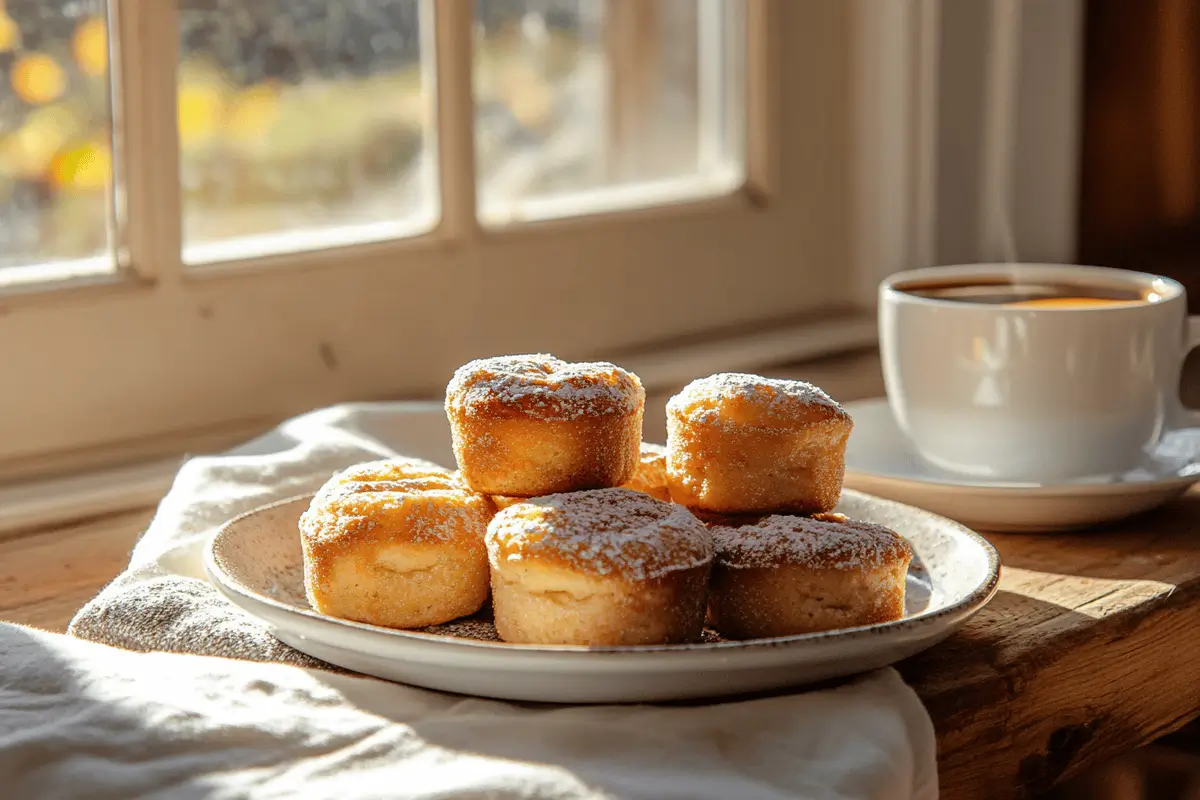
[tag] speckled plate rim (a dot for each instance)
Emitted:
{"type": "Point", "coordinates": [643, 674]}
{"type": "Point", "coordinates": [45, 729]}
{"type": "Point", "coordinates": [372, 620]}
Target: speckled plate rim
{"type": "Point", "coordinates": [947, 615]}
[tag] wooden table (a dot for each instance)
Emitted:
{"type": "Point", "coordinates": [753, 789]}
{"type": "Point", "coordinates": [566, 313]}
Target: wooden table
{"type": "Point", "coordinates": [1090, 649]}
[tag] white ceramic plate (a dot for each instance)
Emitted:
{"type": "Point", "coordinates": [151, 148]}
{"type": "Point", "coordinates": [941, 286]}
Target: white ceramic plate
{"type": "Point", "coordinates": [880, 460]}
{"type": "Point", "coordinates": [255, 561]}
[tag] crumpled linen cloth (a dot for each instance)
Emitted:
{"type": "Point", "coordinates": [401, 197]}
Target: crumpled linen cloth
{"type": "Point", "coordinates": [80, 718]}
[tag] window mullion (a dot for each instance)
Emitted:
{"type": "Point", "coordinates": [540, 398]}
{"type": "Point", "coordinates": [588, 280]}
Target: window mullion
{"type": "Point", "coordinates": [763, 99]}
{"type": "Point", "coordinates": [712, 95]}
{"type": "Point", "coordinates": [634, 47]}
{"type": "Point", "coordinates": [455, 133]}
{"type": "Point", "coordinates": [145, 46]}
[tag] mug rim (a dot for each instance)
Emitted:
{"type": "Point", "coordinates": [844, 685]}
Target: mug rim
{"type": "Point", "coordinates": [890, 289]}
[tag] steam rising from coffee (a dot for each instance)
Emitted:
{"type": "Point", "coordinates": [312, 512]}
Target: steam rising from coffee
{"type": "Point", "coordinates": [1003, 70]}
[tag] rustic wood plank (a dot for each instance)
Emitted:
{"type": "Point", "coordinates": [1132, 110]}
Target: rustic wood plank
{"type": "Point", "coordinates": [46, 576]}
{"type": "Point", "coordinates": [1087, 652]}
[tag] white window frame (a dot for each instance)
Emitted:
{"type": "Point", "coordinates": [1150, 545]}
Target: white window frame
{"type": "Point", "coordinates": [159, 360]}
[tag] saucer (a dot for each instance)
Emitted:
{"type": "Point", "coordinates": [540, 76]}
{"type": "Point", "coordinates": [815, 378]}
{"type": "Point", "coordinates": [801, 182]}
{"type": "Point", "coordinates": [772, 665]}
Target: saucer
{"type": "Point", "coordinates": [880, 460]}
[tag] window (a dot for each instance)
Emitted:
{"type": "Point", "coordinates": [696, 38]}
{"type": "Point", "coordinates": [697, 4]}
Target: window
{"type": "Point", "coordinates": [224, 211]}
{"type": "Point", "coordinates": [55, 134]}
{"type": "Point", "coordinates": [590, 97]}
{"type": "Point", "coordinates": [302, 122]}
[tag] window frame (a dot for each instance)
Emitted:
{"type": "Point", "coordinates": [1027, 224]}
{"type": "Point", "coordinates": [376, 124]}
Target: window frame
{"type": "Point", "coordinates": [159, 357]}
{"type": "Point", "coordinates": [150, 247]}
{"type": "Point", "coordinates": [147, 205]}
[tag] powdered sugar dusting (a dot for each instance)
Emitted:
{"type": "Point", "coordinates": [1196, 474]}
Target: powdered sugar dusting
{"type": "Point", "coordinates": [400, 499]}
{"type": "Point", "coordinates": [544, 387]}
{"type": "Point", "coordinates": [825, 541]}
{"type": "Point", "coordinates": [384, 470]}
{"type": "Point", "coordinates": [705, 400]}
{"type": "Point", "coordinates": [604, 532]}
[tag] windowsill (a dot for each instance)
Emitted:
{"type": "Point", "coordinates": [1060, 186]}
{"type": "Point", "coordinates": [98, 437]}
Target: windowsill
{"type": "Point", "coordinates": [640, 196]}
{"type": "Point", "coordinates": [57, 273]}
{"type": "Point", "coordinates": [787, 348]}
{"type": "Point", "coordinates": [242, 248]}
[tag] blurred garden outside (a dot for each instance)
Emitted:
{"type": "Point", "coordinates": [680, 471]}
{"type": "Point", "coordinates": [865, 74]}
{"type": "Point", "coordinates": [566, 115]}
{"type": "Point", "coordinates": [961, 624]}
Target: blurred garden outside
{"type": "Point", "coordinates": [295, 114]}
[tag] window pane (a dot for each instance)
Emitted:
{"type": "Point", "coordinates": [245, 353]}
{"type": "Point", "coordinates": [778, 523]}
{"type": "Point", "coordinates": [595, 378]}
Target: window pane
{"type": "Point", "coordinates": [576, 97]}
{"type": "Point", "coordinates": [55, 134]}
{"type": "Point", "coordinates": [301, 124]}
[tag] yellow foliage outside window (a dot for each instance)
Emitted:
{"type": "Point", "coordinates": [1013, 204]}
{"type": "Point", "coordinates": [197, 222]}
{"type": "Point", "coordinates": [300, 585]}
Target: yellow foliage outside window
{"type": "Point", "coordinates": [38, 79]}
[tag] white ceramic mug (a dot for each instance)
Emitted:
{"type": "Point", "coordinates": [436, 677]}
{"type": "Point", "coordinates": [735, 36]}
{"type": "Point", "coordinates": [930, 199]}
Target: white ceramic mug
{"type": "Point", "coordinates": [1015, 393]}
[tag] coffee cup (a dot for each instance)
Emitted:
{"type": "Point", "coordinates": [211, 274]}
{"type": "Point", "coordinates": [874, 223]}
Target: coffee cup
{"type": "Point", "coordinates": [1034, 372]}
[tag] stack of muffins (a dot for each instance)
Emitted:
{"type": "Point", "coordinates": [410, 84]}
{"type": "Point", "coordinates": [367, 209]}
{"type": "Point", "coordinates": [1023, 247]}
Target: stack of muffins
{"type": "Point", "coordinates": [583, 534]}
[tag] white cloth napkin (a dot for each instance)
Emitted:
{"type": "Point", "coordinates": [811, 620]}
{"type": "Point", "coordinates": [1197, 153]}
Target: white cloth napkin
{"type": "Point", "coordinates": [80, 718]}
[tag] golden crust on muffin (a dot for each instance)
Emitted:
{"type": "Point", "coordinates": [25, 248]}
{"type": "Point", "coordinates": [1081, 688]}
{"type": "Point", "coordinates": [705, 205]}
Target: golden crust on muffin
{"type": "Point", "coordinates": [529, 426]}
{"type": "Point", "coordinates": [785, 575]}
{"type": "Point", "coordinates": [396, 543]}
{"type": "Point", "coordinates": [602, 567]}
{"type": "Point", "coordinates": [739, 444]}
{"type": "Point", "coordinates": [650, 476]}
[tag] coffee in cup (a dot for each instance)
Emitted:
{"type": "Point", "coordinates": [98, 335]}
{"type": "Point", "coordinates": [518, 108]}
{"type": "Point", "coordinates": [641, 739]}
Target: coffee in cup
{"type": "Point", "coordinates": [1033, 372]}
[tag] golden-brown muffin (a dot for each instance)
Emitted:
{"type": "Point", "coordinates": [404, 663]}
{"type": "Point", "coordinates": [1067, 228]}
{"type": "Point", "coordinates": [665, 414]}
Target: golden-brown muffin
{"type": "Point", "coordinates": [396, 543]}
{"type": "Point", "coordinates": [740, 444]}
{"type": "Point", "coordinates": [532, 425]}
{"type": "Point", "coordinates": [650, 476]}
{"type": "Point", "coordinates": [387, 469]}
{"type": "Point", "coordinates": [600, 567]}
{"type": "Point", "coordinates": [503, 501]}
{"type": "Point", "coordinates": [783, 575]}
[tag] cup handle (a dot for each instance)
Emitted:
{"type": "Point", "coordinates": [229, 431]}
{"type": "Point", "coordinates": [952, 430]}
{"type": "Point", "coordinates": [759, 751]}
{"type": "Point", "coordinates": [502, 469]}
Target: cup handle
{"type": "Point", "coordinates": [1187, 417]}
